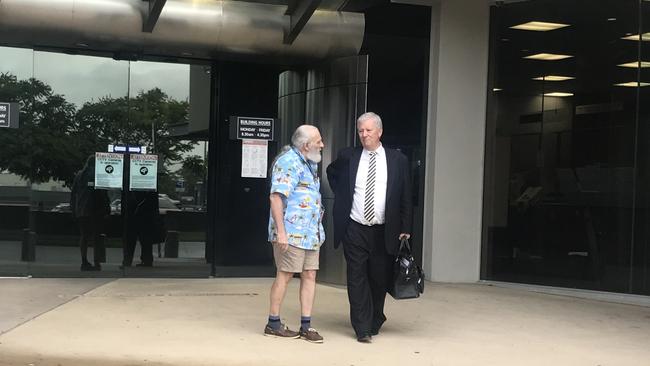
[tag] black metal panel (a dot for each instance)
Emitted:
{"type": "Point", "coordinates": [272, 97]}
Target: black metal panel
{"type": "Point", "coordinates": [304, 9]}
{"type": "Point", "coordinates": [155, 8]}
{"type": "Point", "coordinates": [397, 44]}
{"type": "Point", "coordinates": [240, 206]}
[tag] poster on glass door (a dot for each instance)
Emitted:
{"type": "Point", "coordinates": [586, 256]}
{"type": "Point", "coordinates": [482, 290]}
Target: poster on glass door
{"type": "Point", "coordinates": [109, 170]}
{"type": "Point", "coordinates": [254, 158]}
{"type": "Point", "coordinates": [144, 172]}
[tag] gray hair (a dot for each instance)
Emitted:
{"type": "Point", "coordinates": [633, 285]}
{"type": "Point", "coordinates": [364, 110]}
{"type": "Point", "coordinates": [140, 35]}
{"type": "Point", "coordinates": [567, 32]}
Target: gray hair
{"type": "Point", "coordinates": [302, 135]}
{"type": "Point", "coordinates": [300, 138]}
{"type": "Point", "coordinates": [370, 115]}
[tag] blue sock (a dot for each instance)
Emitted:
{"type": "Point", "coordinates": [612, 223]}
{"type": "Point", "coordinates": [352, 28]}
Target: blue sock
{"type": "Point", "coordinates": [305, 323]}
{"type": "Point", "coordinates": [274, 322]}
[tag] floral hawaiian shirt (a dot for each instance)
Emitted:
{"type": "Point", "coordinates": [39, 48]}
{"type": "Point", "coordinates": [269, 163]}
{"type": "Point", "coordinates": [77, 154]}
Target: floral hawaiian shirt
{"type": "Point", "coordinates": [297, 181]}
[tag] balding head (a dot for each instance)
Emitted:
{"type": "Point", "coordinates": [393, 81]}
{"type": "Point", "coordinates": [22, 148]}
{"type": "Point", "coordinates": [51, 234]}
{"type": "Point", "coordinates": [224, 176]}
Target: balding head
{"type": "Point", "coordinates": [308, 141]}
{"type": "Point", "coordinates": [302, 135]}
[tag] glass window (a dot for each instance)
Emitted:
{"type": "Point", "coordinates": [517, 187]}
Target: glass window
{"type": "Point", "coordinates": [54, 222]}
{"type": "Point", "coordinates": [87, 111]}
{"type": "Point", "coordinates": [17, 240]}
{"type": "Point", "coordinates": [640, 252]}
{"type": "Point", "coordinates": [562, 151]}
{"type": "Point", "coordinates": [160, 95]}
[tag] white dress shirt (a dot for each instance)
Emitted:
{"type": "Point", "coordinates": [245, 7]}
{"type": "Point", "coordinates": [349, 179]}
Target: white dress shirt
{"type": "Point", "coordinates": [381, 183]}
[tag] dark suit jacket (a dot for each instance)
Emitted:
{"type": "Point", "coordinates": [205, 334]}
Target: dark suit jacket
{"type": "Point", "coordinates": [342, 175]}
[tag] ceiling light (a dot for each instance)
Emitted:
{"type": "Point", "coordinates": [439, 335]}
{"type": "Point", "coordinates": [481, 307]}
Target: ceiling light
{"type": "Point", "coordinates": [635, 64]}
{"type": "Point", "coordinates": [496, 89]}
{"type": "Point", "coordinates": [547, 57]}
{"type": "Point", "coordinates": [539, 26]}
{"type": "Point", "coordinates": [635, 37]}
{"type": "Point", "coordinates": [554, 78]}
{"type": "Point", "coordinates": [632, 84]}
{"type": "Point", "coordinates": [611, 19]}
{"type": "Point", "coordinates": [558, 94]}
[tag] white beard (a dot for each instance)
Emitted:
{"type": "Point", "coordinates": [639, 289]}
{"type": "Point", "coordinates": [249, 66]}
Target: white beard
{"type": "Point", "coordinates": [314, 155]}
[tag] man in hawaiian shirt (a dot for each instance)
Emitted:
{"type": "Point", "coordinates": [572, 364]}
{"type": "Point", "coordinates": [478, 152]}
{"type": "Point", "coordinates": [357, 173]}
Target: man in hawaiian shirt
{"type": "Point", "coordinates": [295, 228]}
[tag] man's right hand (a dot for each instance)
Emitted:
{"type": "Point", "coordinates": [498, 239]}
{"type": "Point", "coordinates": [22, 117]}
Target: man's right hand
{"type": "Point", "coordinates": [282, 242]}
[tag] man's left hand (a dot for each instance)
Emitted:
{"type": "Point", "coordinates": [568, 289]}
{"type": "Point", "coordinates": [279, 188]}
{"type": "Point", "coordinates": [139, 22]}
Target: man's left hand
{"type": "Point", "coordinates": [403, 236]}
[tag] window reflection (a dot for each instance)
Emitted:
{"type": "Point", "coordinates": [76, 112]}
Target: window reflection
{"type": "Point", "coordinates": [71, 107]}
{"type": "Point", "coordinates": [562, 144]}
{"type": "Point", "coordinates": [16, 67]}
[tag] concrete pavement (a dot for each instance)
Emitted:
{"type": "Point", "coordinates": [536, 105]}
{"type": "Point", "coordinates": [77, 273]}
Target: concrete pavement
{"type": "Point", "coordinates": [220, 322]}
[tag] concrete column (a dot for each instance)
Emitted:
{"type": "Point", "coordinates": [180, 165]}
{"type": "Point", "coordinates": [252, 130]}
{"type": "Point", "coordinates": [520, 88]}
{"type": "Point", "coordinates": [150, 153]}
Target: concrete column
{"type": "Point", "coordinates": [455, 140]}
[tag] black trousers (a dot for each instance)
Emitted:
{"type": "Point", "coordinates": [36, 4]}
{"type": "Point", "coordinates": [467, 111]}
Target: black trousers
{"type": "Point", "coordinates": [90, 228]}
{"type": "Point", "coordinates": [368, 275]}
{"type": "Point", "coordinates": [139, 230]}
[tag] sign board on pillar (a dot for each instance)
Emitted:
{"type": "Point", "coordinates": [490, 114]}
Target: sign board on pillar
{"type": "Point", "coordinates": [9, 115]}
{"type": "Point", "coordinates": [252, 128]}
{"type": "Point", "coordinates": [109, 170]}
{"type": "Point", "coordinates": [143, 173]}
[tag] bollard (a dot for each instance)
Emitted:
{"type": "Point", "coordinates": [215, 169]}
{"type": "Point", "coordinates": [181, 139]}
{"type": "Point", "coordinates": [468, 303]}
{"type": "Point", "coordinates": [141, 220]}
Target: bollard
{"type": "Point", "coordinates": [100, 247]}
{"type": "Point", "coordinates": [28, 252]}
{"type": "Point", "coordinates": [171, 244]}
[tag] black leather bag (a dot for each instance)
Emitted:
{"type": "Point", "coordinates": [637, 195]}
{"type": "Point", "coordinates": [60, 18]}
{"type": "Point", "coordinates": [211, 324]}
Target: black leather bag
{"type": "Point", "coordinates": [408, 278]}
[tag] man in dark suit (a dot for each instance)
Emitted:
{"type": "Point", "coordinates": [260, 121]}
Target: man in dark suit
{"type": "Point", "coordinates": [372, 213]}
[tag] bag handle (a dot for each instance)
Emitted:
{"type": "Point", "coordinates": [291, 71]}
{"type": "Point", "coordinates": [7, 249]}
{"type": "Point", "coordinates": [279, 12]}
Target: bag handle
{"type": "Point", "coordinates": [404, 243]}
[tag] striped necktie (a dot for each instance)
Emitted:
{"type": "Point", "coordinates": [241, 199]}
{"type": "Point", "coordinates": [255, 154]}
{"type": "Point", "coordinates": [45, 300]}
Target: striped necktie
{"type": "Point", "coordinates": [369, 202]}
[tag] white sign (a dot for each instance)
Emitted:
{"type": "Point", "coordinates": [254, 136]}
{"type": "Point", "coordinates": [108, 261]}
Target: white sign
{"type": "Point", "coordinates": [126, 148]}
{"type": "Point", "coordinates": [5, 113]}
{"type": "Point", "coordinates": [254, 158]}
{"type": "Point", "coordinates": [143, 173]}
{"type": "Point", "coordinates": [109, 168]}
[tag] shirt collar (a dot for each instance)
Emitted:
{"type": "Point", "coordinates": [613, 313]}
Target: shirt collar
{"type": "Point", "coordinates": [304, 158]}
{"type": "Point", "coordinates": [300, 154]}
{"type": "Point", "coordinates": [380, 150]}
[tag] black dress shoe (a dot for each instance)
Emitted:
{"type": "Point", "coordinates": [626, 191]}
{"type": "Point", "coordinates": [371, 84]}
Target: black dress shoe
{"type": "Point", "coordinates": [365, 338]}
{"type": "Point", "coordinates": [144, 264]}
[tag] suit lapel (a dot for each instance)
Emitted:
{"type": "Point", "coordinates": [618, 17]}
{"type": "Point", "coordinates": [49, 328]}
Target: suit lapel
{"type": "Point", "coordinates": [391, 169]}
{"type": "Point", "coordinates": [354, 166]}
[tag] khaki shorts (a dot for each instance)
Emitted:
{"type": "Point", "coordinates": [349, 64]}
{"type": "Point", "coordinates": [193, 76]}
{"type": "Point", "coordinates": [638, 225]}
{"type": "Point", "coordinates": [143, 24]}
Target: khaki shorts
{"type": "Point", "coordinates": [295, 259]}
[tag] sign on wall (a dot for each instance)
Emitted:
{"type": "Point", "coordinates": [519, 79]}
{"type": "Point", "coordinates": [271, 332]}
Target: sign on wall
{"type": "Point", "coordinates": [9, 115]}
{"type": "Point", "coordinates": [143, 173]}
{"type": "Point", "coordinates": [254, 158]}
{"type": "Point", "coordinates": [109, 170]}
{"type": "Point", "coordinates": [252, 128]}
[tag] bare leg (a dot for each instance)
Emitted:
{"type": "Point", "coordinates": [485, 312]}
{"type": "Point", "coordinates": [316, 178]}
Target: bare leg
{"type": "Point", "coordinates": [278, 289]}
{"type": "Point", "coordinates": [307, 291]}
